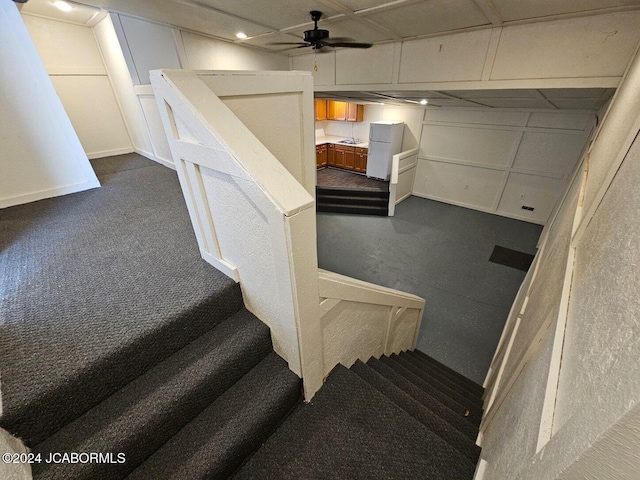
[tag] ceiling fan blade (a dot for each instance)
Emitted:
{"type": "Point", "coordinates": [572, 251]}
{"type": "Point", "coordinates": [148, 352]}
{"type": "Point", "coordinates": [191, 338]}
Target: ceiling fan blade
{"type": "Point", "coordinates": [303, 44]}
{"type": "Point", "coordinates": [348, 44]}
{"type": "Point", "coordinates": [340, 39]}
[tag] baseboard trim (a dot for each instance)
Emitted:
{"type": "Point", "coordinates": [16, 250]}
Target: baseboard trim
{"type": "Point", "coordinates": [475, 207]}
{"type": "Point", "coordinates": [110, 153]}
{"type": "Point", "coordinates": [151, 156]}
{"type": "Point", "coordinates": [53, 192]}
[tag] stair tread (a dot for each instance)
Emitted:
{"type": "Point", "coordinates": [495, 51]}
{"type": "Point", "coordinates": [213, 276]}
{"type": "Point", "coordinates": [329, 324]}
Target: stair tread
{"type": "Point", "coordinates": [217, 441]}
{"type": "Point", "coordinates": [145, 413]}
{"type": "Point", "coordinates": [452, 416]}
{"type": "Point", "coordinates": [420, 412]}
{"type": "Point", "coordinates": [350, 430]}
{"type": "Point", "coordinates": [472, 402]}
{"type": "Point", "coordinates": [352, 191]}
{"type": "Point", "coordinates": [431, 389]}
{"type": "Point", "coordinates": [359, 209]}
{"type": "Point", "coordinates": [341, 200]}
{"type": "Point", "coordinates": [449, 371]}
{"type": "Point", "coordinates": [443, 377]}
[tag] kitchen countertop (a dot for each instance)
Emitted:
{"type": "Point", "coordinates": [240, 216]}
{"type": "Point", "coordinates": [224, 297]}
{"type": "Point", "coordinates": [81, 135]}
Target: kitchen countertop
{"type": "Point", "coordinates": [336, 140]}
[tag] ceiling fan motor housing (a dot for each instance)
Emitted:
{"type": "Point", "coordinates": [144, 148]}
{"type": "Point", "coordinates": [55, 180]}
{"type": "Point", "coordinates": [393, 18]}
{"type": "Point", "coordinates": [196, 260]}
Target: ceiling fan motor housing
{"type": "Point", "coordinates": [315, 35]}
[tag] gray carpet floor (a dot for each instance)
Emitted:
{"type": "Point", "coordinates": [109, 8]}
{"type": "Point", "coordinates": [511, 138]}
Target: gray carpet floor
{"type": "Point", "coordinates": [89, 282]}
{"type": "Point", "coordinates": [440, 252]}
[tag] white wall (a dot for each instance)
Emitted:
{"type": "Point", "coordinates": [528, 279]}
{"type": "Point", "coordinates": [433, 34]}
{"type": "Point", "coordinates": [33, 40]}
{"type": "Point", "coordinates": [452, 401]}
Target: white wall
{"type": "Point", "coordinates": [590, 51]}
{"type": "Point", "coordinates": [71, 56]}
{"type": "Point", "coordinates": [145, 46]}
{"type": "Point", "coordinates": [500, 160]}
{"type": "Point", "coordinates": [573, 411]}
{"type": "Point", "coordinates": [41, 155]}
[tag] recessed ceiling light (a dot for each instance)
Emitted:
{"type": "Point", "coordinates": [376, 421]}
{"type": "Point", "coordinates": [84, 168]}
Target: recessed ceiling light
{"type": "Point", "coordinates": [64, 6]}
{"type": "Point", "coordinates": [241, 35]}
{"type": "Point", "coordinates": [423, 101]}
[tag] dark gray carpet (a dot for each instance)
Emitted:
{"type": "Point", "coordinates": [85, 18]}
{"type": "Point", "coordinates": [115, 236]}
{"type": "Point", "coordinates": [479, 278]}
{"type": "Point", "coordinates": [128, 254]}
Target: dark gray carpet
{"type": "Point", "coordinates": [143, 415]}
{"type": "Point", "coordinates": [97, 287]}
{"type": "Point", "coordinates": [439, 252]}
{"type": "Point", "coordinates": [424, 415]}
{"type": "Point", "coordinates": [230, 429]}
{"type": "Point", "coordinates": [351, 430]}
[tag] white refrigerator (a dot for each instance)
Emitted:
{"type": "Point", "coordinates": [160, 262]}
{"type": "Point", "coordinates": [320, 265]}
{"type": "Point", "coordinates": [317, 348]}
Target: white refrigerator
{"type": "Point", "coordinates": [385, 140]}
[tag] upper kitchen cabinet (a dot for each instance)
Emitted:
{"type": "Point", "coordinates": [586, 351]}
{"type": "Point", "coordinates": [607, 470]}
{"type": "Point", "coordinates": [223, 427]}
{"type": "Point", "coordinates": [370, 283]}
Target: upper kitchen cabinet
{"type": "Point", "coordinates": [336, 110]}
{"type": "Point", "coordinates": [343, 111]}
{"type": "Point", "coordinates": [321, 109]}
{"type": "Point", "coordinates": [355, 112]}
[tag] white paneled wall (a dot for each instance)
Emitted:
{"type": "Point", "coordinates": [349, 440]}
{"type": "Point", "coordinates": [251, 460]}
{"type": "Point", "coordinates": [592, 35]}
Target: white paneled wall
{"type": "Point", "coordinates": [145, 46]}
{"type": "Point", "coordinates": [500, 161]}
{"type": "Point", "coordinates": [74, 63]}
{"type": "Point", "coordinates": [590, 51]}
{"type": "Point", "coordinates": [41, 154]}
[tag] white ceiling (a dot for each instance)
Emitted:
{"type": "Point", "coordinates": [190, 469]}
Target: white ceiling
{"type": "Point", "coordinates": [549, 98]}
{"type": "Point", "coordinates": [372, 21]}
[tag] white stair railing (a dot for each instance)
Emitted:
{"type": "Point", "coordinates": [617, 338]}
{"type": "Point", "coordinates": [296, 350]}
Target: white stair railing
{"type": "Point", "coordinates": [360, 320]}
{"type": "Point", "coordinates": [254, 216]}
{"type": "Point", "coordinates": [403, 172]}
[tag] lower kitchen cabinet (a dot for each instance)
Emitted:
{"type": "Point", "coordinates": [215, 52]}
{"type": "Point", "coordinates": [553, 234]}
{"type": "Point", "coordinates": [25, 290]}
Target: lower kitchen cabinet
{"type": "Point", "coordinates": [342, 156]}
{"type": "Point", "coordinates": [321, 155]}
{"type": "Point", "coordinates": [360, 155]}
{"type": "Point", "coordinates": [331, 154]}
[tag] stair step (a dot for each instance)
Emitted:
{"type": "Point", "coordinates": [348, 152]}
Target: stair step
{"type": "Point", "coordinates": [429, 419]}
{"type": "Point", "coordinates": [359, 192]}
{"type": "Point", "coordinates": [216, 442]}
{"type": "Point", "coordinates": [350, 430]}
{"type": "Point", "coordinates": [471, 404]}
{"type": "Point", "coordinates": [453, 391]}
{"type": "Point", "coordinates": [449, 371]}
{"type": "Point", "coordinates": [85, 363]}
{"type": "Point", "coordinates": [356, 209]}
{"type": "Point", "coordinates": [351, 200]}
{"type": "Point", "coordinates": [449, 380]}
{"type": "Point", "coordinates": [454, 417]}
{"type": "Point", "coordinates": [145, 413]}
{"type": "Point", "coordinates": [432, 390]}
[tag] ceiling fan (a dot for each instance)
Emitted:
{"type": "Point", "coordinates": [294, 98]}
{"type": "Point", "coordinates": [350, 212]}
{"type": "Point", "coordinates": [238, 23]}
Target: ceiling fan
{"type": "Point", "coordinates": [318, 38]}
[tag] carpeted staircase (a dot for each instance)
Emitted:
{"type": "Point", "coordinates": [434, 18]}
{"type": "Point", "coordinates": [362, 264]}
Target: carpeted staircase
{"type": "Point", "coordinates": [350, 200]}
{"type": "Point", "coordinates": [400, 417]}
{"type": "Point", "coordinates": [117, 339]}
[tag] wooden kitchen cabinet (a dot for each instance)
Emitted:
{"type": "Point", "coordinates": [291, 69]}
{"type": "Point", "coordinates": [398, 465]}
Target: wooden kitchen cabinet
{"type": "Point", "coordinates": [331, 154]}
{"type": "Point", "coordinates": [340, 156]}
{"type": "Point", "coordinates": [336, 110]}
{"type": "Point", "coordinates": [360, 159]}
{"type": "Point", "coordinates": [345, 157]}
{"type": "Point", "coordinates": [355, 112]}
{"type": "Point", "coordinates": [321, 109]}
{"type": "Point", "coordinates": [341, 111]}
{"type": "Point", "coordinates": [321, 155]}
{"type": "Point", "coordinates": [349, 158]}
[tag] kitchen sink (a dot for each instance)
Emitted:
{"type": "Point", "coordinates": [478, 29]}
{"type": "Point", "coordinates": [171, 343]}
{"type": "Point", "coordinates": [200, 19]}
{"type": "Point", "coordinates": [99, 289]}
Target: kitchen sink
{"type": "Point", "coordinates": [349, 142]}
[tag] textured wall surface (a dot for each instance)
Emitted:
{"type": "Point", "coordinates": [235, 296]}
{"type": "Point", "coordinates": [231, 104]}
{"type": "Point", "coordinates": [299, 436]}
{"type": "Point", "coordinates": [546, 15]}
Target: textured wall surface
{"type": "Point", "coordinates": [600, 361]}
